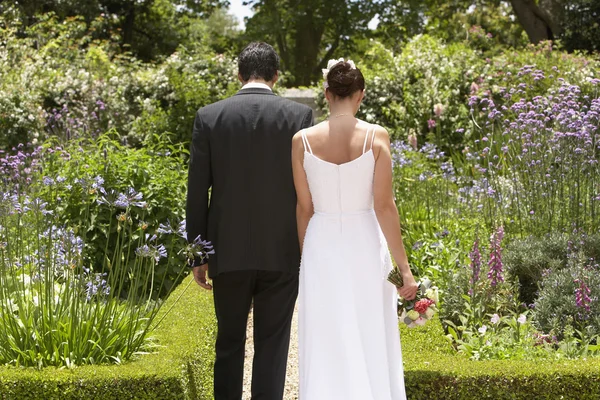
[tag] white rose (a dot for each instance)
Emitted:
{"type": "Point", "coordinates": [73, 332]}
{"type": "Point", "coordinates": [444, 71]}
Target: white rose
{"type": "Point", "coordinates": [429, 313]}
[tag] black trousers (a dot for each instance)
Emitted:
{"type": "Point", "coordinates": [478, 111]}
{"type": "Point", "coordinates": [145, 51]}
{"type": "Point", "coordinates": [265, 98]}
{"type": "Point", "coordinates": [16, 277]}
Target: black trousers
{"type": "Point", "coordinates": [274, 296]}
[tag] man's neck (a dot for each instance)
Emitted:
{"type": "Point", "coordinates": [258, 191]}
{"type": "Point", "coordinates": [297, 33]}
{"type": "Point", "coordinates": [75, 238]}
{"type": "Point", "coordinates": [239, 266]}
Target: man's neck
{"type": "Point", "coordinates": [260, 81]}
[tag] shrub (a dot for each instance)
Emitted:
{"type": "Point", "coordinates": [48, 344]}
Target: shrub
{"type": "Point", "coordinates": [434, 371]}
{"type": "Point", "coordinates": [158, 171]}
{"type": "Point", "coordinates": [59, 81]}
{"type": "Point", "coordinates": [570, 297]}
{"type": "Point", "coordinates": [530, 259]}
{"type": "Point", "coordinates": [179, 367]}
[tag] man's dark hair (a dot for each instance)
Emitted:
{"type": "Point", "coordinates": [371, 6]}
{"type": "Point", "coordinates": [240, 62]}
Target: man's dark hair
{"type": "Point", "coordinates": [258, 61]}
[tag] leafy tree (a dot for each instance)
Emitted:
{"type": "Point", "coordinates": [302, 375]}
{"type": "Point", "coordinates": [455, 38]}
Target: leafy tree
{"type": "Point", "coordinates": [307, 33]}
{"type": "Point", "coordinates": [148, 28]}
{"type": "Point", "coordinates": [576, 23]}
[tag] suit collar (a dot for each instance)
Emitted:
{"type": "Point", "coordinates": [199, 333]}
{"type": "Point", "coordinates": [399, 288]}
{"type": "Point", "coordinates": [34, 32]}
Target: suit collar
{"type": "Point", "coordinates": [255, 90]}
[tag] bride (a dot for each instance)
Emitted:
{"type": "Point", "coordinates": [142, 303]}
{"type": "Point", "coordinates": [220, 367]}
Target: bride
{"type": "Point", "coordinates": [349, 344]}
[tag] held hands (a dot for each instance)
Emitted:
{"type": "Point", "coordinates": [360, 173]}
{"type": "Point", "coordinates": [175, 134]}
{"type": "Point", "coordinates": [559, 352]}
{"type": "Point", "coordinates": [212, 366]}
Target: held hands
{"type": "Point", "coordinates": [200, 276]}
{"type": "Point", "coordinates": [409, 289]}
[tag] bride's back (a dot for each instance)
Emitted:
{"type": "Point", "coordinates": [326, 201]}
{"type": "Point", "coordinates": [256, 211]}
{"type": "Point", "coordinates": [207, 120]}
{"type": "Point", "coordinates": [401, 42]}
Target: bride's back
{"type": "Point", "coordinates": [340, 140]}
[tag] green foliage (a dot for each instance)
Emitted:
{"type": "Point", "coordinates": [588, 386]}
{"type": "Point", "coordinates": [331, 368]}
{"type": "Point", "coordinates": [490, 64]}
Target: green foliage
{"type": "Point", "coordinates": [158, 171]}
{"type": "Point", "coordinates": [60, 81]}
{"type": "Point", "coordinates": [434, 370]}
{"type": "Point", "coordinates": [557, 306]}
{"type": "Point", "coordinates": [179, 367]}
{"type": "Point", "coordinates": [450, 21]}
{"type": "Point", "coordinates": [150, 29]}
{"type": "Point", "coordinates": [309, 33]}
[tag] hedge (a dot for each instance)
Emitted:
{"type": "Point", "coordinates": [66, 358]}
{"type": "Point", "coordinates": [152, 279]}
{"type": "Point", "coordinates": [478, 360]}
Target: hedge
{"type": "Point", "coordinates": [181, 368]}
{"type": "Point", "coordinates": [433, 370]}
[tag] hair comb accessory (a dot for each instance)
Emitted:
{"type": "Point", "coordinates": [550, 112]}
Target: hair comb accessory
{"type": "Point", "coordinates": [333, 63]}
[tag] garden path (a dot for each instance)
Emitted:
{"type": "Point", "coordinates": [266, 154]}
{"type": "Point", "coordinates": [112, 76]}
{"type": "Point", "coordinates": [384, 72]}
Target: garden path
{"type": "Point", "coordinates": [291, 383]}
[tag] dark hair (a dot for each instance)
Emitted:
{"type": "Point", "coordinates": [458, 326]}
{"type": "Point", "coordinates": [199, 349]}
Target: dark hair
{"type": "Point", "coordinates": [258, 61]}
{"type": "Point", "coordinates": [343, 80]}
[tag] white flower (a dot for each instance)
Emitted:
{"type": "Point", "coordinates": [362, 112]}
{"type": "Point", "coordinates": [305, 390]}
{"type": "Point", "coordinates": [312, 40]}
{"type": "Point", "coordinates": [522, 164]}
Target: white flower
{"type": "Point", "coordinates": [432, 292]}
{"type": "Point", "coordinates": [522, 319]}
{"type": "Point", "coordinates": [438, 109]}
{"type": "Point", "coordinates": [332, 63]}
{"type": "Point", "coordinates": [495, 319]}
{"type": "Point", "coordinates": [429, 313]}
{"type": "Point", "coordinates": [483, 330]}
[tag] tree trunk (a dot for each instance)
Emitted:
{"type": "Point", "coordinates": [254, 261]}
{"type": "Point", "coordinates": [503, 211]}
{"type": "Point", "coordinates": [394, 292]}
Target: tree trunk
{"type": "Point", "coordinates": [128, 25]}
{"type": "Point", "coordinates": [309, 35]}
{"type": "Point", "coordinates": [537, 22]}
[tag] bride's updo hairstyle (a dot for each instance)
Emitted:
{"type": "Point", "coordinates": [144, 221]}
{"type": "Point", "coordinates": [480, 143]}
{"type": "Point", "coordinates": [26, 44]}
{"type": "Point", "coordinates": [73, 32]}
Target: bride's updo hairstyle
{"type": "Point", "coordinates": [343, 80]}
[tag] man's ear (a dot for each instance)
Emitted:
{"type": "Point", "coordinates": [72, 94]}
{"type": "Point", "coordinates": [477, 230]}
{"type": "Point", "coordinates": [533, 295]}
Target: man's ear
{"type": "Point", "coordinates": [241, 79]}
{"type": "Point", "coordinates": [275, 78]}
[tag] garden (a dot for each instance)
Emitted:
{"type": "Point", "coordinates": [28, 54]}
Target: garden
{"type": "Point", "coordinates": [496, 153]}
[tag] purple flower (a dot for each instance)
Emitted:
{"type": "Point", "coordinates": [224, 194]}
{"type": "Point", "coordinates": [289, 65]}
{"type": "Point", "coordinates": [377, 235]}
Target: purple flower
{"type": "Point", "coordinates": [431, 123]}
{"type": "Point", "coordinates": [582, 295]}
{"type": "Point", "coordinates": [475, 256]}
{"type": "Point", "coordinates": [132, 198]}
{"type": "Point", "coordinates": [152, 251]}
{"type": "Point", "coordinates": [496, 271]}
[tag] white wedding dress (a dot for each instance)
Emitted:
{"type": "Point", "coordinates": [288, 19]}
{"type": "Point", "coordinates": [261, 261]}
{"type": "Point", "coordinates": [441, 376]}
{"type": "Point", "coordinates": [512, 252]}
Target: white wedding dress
{"type": "Point", "coordinates": [349, 344]}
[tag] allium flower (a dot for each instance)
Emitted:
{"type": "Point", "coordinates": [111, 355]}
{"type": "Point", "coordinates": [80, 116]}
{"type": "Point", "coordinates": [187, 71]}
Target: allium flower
{"type": "Point", "coordinates": [132, 198]}
{"type": "Point", "coordinates": [198, 251]}
{"type": "Point", "coordinates": [165, 229]}
{"type": "Point", "coordinates": [496, 271]}
{"type": "Point", "coordinates": [96, 285]}
{"type": "Point", "coordinates": [152, 251]}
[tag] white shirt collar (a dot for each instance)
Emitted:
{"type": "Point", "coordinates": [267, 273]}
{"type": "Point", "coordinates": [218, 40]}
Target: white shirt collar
{"type": "Point", "coordinates": [256, 85]}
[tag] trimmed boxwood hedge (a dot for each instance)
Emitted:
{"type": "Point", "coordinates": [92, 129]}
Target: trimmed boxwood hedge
{"type": "Point", "coordinates": [433, 370]}
{"type": "Point", "coordinates": [182, 367]}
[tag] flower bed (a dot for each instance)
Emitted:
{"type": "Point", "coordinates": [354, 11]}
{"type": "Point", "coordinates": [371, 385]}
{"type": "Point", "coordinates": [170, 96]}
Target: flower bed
{"type": "Point", "coordinates": [434, 371]}
{"type": "Point", "coordinates": [180, 368]}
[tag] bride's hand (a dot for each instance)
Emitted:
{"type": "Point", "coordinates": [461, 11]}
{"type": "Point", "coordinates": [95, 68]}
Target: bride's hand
{"type": "Point", "coordinates": [408, 291]}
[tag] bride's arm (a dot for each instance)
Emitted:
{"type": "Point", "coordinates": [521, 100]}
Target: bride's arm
{"type": "Point", "coordinates": [387, 212]}
{"type": "Point", "coordinates": [304, 207]}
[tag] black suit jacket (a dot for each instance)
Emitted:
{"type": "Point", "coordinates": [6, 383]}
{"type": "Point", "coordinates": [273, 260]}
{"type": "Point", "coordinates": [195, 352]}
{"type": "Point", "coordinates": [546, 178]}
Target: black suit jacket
{"type": "Point", "coordinates": [241, 150]}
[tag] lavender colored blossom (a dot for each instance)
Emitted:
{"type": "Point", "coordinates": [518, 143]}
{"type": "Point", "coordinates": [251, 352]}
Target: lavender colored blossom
{"type": "Point", "coordinates": [475, 256]}
{"type": "Point", "coordinates": [131, 198]}
{"type": "Point", "coordinates": [582, 295]}
{"type": "Point", "coordinates": [496, 271]}
{"type": "Point", "coordinates": [155, 252]}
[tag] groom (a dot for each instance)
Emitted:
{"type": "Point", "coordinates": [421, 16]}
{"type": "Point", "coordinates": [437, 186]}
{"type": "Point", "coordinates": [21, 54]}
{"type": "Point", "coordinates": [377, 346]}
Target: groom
{"type": "Point", "coordinates": [241, 152]}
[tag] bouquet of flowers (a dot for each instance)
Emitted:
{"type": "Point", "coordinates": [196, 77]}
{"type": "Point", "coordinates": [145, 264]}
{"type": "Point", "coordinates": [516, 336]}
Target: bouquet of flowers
{"type": "Point", "coordinates": [418, 311]}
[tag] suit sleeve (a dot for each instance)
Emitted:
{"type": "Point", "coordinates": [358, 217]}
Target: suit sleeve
{"type": "Point", "coordinates": [308, 120]}
{"type": "Point", "coordinates": [199, 183]}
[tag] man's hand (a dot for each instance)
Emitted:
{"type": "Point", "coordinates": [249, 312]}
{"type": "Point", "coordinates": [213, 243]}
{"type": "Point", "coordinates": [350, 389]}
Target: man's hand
{"type": "Point", "coordinates": [200, 276]}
